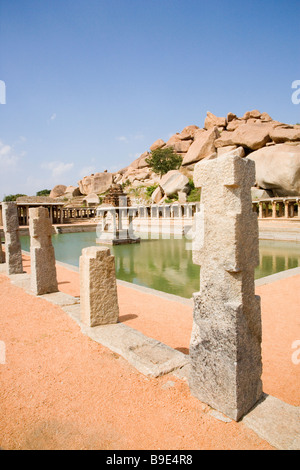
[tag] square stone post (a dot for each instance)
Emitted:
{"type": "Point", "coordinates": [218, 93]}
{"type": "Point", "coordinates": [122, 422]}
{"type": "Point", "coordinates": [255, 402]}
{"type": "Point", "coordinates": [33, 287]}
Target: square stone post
{"type": "Point", "coordinates": [43, 269]}
{"type": "Point", "coordinates": [2, 255]}
{"type": "Point", "coordinates": [260, 210]}
{"type": "Point", "coordinates": [274, 211]}
{"type": "Point", "coordinates": [225, 348]}
{"type": "Point", "coordinates": [98, 287]}
{"type": "Point", "coordinates": [14, 264]}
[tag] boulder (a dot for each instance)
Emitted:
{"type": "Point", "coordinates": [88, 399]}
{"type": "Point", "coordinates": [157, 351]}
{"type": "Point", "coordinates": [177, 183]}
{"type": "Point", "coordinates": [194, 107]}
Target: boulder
{"type": "Point", "coordinates": [265, 117]}
{"type": "Point", "coordinates": [252, 114]}
{"type": "Point", "coordinates": [284, 134]}
{"type": "Point", "coordinates": [117, 178]}
{"type": "Point", "coordinates": [72, 191]}
{"type": "Point", "coordinates": [253, 136]}
{"type": "Point", "coordinates": [97, 183]}
{"type": "Point", "coordinates": [156, 195]}
{"type": "Point", "coordinates": [91, 199]}
{"type": "Point", "coordinates": [203, 146]}
{"type": "Point", "coordinates": [158, 144]}
{"type": "Point", "coordinates": [233, 125]}
{"type": "Point", "coordinates": [238, 151]}
{"type": "Point", "coordinates": [140, 162]}
{"type": "Point", "coordinates": [173, 182]}
{"type": "Point", "coordinates": [226, 149]}
{"type": "Point", "coordinates": [182, 197]}
{"type": "Point", "coordinates": [182, 146]}
{"type": "Point", "coordinates": [188, 132]}
{"type": "Point", "coordinates": [214, 121]}
{"type": "Point", "coordinates": [173, 140]}
{"type": "Point", "coordinates": [257, 193]}
{"type": "Point", "coordinates": [231, 117]}
{"type": "Point", "coordinates": [278, 169]}
{"type": "Point", "coordinates": [137, 175]}
{"type": "Point", "coordinates": [58, 191]}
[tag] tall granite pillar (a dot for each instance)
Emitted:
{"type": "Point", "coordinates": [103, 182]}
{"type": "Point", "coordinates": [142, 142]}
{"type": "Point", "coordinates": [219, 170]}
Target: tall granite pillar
{"type": "Point", "coordinates": [98, 287]}
{"type": "Point", "coordinates": [13, 251]}
{"type": "Point", "coordinates": [43, 270]}
{"type": "Point", "coordinates": [225, 348]}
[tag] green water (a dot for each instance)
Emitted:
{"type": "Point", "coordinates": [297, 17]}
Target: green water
{"type": "Point", "coordinates": [166, 265]}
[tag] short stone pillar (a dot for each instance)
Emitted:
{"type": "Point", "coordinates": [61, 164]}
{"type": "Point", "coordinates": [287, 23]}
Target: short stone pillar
{"type": "Point", "coordinates": [43, 269]}
{"type": "Point", "coordinates": [225, 348]}
{"type": "Point", "coordinates": [2, 255]}
{"type": "Point", "coordinates": [98, 287]}
{"type": "Point", "coordinates": [14, 264]}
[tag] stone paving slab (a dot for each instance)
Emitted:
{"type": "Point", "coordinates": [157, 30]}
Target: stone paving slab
{"type": "Point", "coordinates": [59, 298]}
{"type": "Point", "coordinates": [276, 422]}
{"type": "Point", "coordinates": [149, 356]}
{"type": "Point", "coordinates": [21, 280]}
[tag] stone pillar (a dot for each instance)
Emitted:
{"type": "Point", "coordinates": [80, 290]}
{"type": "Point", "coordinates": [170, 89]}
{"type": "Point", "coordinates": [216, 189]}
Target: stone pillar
{"type": "Point", "coordinates": [225, 349]}
{"type": "Point", "coordinates": [274, 209]}
{"type": "Point", "coordinates": [43, 270]}
{"type": "Point", "coordinates": [98, 288]}
{"type": "Point", "coordinates": [286, 209]}
{"type": "Point", "coordinates": [2, 255]}
{"type": "Point", "coordinates": [14, 264]}
{"type": "Point", "coordinates": [260, 210]}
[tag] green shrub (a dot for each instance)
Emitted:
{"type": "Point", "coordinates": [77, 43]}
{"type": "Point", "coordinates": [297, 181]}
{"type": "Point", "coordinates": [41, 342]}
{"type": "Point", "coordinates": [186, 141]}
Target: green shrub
{"type": "Point", "coordinates": [171, 199]}
{"type": "Point", "coordinates": [43, 192]}
{"type": "Point", "coordinates": [13, 197]}
{"type": "Point", "coordinates": [194, 195]}
{"type": "Point", "coordinates": [150, 190]}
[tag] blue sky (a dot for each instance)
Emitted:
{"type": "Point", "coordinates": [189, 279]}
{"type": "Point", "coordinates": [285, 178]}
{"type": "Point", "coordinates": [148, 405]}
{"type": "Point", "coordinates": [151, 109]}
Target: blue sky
{"type": "Point", "coordinates": [91, 84]}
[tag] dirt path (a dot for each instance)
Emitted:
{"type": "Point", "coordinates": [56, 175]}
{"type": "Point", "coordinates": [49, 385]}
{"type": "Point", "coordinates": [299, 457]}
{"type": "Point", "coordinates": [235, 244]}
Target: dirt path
{"type": "Point", "coordinates": [61, 390]}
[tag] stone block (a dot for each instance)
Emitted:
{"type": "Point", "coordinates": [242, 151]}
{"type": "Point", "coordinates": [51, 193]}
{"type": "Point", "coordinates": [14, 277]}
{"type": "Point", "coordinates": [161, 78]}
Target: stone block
{"type": "Point", "coordinates": [42, 255]}
{"type": "Point", "coordinates": [98, 288]}
{"type": "Point", "coordinates": [13, 250]}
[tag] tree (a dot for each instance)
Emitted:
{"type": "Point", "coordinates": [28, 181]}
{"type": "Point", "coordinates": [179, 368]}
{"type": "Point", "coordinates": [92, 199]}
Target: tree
{"type": "Point", "coordinates": [43, 192]}
{"type": "Point", "coordinates": [163, 160]}
{"type": "Point", "coordinates": [12, 197]}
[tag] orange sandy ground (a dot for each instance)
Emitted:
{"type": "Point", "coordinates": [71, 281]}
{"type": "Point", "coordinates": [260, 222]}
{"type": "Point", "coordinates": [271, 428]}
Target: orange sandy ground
{"type": "Point", "coordinates": [61, 390]}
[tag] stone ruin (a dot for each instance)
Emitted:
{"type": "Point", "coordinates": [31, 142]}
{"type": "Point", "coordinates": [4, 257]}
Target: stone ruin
{"type": "Point", "coordinates": [43, 269]}
{"type": "Point", "coordinates": [225, 348]}
{"type": "Point", "coordinates": [116, 206]}
{"type": "Point", "coordinates": [116, 197]}
{"type": "Point", "coordinates": [98, 288]}
{"type": "Point", "coordinates": [13, 251]}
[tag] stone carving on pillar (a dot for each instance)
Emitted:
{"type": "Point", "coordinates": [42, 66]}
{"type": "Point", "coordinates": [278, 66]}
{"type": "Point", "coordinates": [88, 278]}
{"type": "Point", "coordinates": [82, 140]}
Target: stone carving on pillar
{"type": "Point", "coordinates": [225, 348]}
{"type": "Point", "coordinates": [43, 270]}
{"type": "Point", "coordinates": [14, 264]}
{"type": "Point", "coordinates": [98, 287]}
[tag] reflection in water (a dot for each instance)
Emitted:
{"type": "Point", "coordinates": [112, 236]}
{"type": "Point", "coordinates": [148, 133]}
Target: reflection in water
{"type": "Point", "coordinates": [166, 265]}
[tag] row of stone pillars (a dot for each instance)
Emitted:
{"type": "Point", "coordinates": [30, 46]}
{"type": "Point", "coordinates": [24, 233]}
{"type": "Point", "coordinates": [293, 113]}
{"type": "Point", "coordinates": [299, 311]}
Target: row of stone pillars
{"type": "Point", "coordinates": [225, 348]}
{"type": "Point", "coordinates": [275, 208]}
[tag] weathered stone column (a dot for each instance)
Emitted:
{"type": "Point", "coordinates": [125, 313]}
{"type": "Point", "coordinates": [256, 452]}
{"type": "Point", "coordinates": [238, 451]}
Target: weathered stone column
{"type": "Point", "coordinates": [14, 264]}
{"type": "Point", "coordinates": [274, 211]}
{"type": "Point", "coordinates": [98, 288]}
{"type": "Point", "coordinates": [2, 255]}
{"type": "Point", "coordinates": [225, 349]}
{"type": "Point", "coordinates": [260, 210]}
{"type": "Point", "coordinates": [43, 270]}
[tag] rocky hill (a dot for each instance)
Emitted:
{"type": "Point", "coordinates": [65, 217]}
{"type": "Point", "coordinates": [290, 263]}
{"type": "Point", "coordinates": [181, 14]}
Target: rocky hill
{"type": "Point", "coordinates": [274, 146]}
